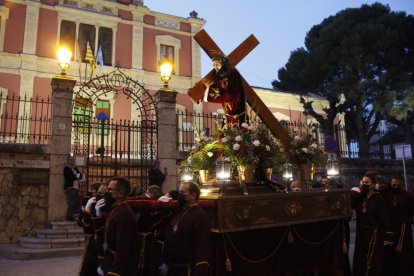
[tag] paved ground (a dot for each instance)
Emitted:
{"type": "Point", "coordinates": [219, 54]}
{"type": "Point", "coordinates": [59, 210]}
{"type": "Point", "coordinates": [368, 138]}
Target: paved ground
{"type": "Point", "coordinates": [68, 266]}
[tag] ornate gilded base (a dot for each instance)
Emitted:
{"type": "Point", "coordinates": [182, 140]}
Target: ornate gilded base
{"type": "Point", "coordinates": [256, 211]}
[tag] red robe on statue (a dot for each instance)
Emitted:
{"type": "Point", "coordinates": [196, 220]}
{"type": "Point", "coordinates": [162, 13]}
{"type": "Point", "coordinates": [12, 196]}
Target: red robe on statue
{"type": "Point", "coordinates": [227, 89]}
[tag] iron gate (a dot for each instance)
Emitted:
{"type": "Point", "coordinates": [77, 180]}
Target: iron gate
{"type": "Point", "coordinates": [114, 127]}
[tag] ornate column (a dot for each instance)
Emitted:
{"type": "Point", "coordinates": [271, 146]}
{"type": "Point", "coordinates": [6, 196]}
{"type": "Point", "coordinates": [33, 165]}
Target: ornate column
{"type": "Point", "coordinates": [167, 136]}
{"type": "Point", "coordinates": [60, 144]}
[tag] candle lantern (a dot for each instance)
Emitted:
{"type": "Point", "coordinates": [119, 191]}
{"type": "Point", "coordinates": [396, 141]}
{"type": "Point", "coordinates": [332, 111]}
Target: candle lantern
{"type": "Point", "coordinates": [186, 173]}
{"type": "Point", "coordinates": [223, 170]}
{"type": "Point", "coordinates": [332, 168]}
{"type": "Point", "coordinates": [287, 172]}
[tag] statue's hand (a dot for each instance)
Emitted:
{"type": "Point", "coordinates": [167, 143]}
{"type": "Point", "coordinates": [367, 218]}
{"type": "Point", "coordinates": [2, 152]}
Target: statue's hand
{"type": "Point", "coordinates": [207, 83]}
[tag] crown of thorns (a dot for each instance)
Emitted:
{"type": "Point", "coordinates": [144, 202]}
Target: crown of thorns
{"type": "Point", "coordinates": [219, 56]}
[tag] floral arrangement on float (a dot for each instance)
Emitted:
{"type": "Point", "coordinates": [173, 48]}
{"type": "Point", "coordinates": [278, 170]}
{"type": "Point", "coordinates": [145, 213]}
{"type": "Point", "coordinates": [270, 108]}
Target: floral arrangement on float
{"type": "Point", "coordinates": [302, 149]}
{"type": "Point", "coordinates": [202, 157]}
{"type": "Point", "coordinates": [247, 146]}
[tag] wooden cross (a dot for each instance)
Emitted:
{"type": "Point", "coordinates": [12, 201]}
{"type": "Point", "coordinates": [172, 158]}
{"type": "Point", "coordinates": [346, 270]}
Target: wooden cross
{"type": "Point", "coordinates": [211, 48]}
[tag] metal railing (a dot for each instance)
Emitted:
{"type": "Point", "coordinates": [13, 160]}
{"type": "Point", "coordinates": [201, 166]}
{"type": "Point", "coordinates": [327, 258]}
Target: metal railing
{"type": "Point", "coordinates": [24, 119]}
{"type": "Point", "coordinates": [345, 148]}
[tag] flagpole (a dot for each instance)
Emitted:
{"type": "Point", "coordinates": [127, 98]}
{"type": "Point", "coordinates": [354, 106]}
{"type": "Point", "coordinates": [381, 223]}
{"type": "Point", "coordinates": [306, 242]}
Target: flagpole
{"type": "Point", "coordinates": [79, 61]}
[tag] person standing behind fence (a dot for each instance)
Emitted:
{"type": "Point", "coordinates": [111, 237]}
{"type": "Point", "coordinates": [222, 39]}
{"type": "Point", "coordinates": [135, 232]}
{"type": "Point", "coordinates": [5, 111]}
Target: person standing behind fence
{"type": "Point", "coordinates": [400, 259]}
{"type": "Point", "coordinates": [155, 176]}
{"type": "Point", "coordinates": [373, 228]}
{"type": "Point", "coordinates": [71, 188]}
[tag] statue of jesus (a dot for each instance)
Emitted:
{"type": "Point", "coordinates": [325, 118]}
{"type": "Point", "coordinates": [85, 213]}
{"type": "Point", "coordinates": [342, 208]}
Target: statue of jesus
{"type": "Point", "coordinates": [226, 88]}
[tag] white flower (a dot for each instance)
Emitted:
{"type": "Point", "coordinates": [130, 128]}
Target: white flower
{"type": "Point", "coordinates": [267, 148]}
{"type": "Point", "coordinates": [236, 146]}
{"type": "Point", "coordinates": [250, 127]}
{"type": "Point", "coordinates": [205, 138]}
{"type": "Point", "coordinates": [305, 150]}
{"type": "Point", "coordinates": [238, 138]}
{"type": "Point", "coordinates": [245, 125]}
{"type": "Point", "coordinates": [224, 140]}
{"type": "Point", "coordinates": [210, 154]}
{"type": "Point", "coordinates": [193, 148]}
{"type": "Point", "coordinates": [296, 138]}
{"type": "Point", "coordinates": [314, 146]}
{"type": "Point", "coordinates": [256, 143]}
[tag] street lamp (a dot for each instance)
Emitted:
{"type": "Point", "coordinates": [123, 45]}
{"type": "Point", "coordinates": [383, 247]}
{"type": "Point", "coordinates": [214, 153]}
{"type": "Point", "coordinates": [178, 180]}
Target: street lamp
{"type": "Point", "coordinates": [166, 70]}
{"type": "Point", "coordinates": [64, 56]}
{"type": "Point", "coordinates": [223, 169]}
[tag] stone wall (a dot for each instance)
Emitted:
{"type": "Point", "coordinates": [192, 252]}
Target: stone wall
{"type": "Point", "coordinates": [23, 206]}
{"type": "Point", "coordinates": [24, 181]}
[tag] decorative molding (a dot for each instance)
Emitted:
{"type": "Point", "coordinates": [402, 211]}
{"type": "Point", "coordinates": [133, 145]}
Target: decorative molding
{"type": "Point", "coordinates": [167, 24]}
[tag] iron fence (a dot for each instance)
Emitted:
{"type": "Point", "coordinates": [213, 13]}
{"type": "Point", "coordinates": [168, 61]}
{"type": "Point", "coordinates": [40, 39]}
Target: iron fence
{"type": "Point", "coordinates": [115, 147]}
{"type": "Point", "coordinates": [25, 120]}
{"type": "Point", "coordinates": [188, 122]}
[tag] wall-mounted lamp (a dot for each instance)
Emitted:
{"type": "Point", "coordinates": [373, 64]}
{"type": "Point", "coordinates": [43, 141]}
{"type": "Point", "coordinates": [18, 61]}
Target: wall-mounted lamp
{"type": "Point", "coordinates": [64, 56]}
{"type": "Point", "coordinates": [166, 70]}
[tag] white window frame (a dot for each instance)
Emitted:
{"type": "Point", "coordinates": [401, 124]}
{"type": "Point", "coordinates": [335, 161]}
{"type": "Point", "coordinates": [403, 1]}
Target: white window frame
{"type": "Point", "coordinates": [170, 41]}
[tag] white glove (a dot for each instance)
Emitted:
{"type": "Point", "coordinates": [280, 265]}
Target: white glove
{"type": "Point", "coordinates": [164, 198]}
{"type": "Point", "coordinates": [98, 207]}
{"type": "Point", "coordinates": [88, 206]}
{"type": "Point", "coordinates": [100, 271]}
{"type": "Point", "coordinates": [356, 189]}
{"type": "Point", "coordinates": [163, 269]}
{"type": "Point", "coordinates": [78, 175]}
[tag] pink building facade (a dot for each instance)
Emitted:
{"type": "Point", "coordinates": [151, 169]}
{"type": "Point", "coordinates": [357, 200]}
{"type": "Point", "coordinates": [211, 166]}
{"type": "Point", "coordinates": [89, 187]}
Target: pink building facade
{"type": "Point", "coordinates": [129, 35]}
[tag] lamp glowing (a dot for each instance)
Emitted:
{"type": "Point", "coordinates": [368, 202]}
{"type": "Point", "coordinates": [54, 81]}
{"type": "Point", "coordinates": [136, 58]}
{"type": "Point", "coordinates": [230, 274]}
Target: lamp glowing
{"type": "Point", "coordinates": [186, 174]}
{"type": "Point", "coordinates": [166, 70]}
{"type": "Point", "coordinates": [287, 172]}
{"type": "Point", "coordinates": [332, 168]}
{"type": "Point", "coordinates": [223, 169]}
{"type": "Point", "coordinates": [64, 56]}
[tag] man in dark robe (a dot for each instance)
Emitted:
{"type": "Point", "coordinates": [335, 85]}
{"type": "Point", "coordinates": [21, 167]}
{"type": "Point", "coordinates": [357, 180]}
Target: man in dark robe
{"type": "Point", "coordinates": [89, 258]}
{"type": "Point", "coordinates": [187, 238]}
{"type": "Point", "coordinates": [121, 239]}
{"type": "Point", "coordinates": [373, 229]}
{"type": "Point", "coordinates": [226, 88]}
{"type": "Point", "coordinates": [400, 260]}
